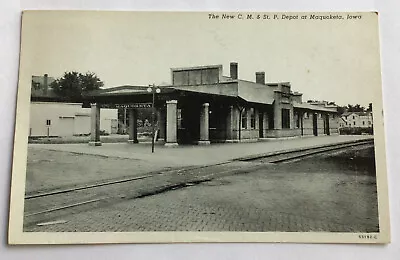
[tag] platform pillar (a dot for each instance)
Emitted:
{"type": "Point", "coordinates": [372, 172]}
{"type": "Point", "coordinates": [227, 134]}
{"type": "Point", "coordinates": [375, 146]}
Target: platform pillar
{"type": "Point", "coordinates": [204, 125]}
{"type": "Point", "coordinates": [132, 130]}
{"type": "Point", "coordinates": [95, 125]}
{"type": "Point", "coordinates": [172, 124]}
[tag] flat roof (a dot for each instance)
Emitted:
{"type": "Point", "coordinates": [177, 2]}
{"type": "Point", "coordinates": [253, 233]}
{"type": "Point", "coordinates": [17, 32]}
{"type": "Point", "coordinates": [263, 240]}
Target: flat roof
{"type": "Point", "coordinates": [219, 66]}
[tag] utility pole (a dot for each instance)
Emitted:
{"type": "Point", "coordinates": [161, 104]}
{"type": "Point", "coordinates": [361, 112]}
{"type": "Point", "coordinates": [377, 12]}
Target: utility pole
{"type": "Point", "coordinates": [153, 89]}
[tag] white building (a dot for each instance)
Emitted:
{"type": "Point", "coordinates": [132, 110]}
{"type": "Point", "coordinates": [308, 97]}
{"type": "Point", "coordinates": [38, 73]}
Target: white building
{"type": "Point", "coordinates": [67, 119]}
{"type": "Point", "coordinates": [356, 119]}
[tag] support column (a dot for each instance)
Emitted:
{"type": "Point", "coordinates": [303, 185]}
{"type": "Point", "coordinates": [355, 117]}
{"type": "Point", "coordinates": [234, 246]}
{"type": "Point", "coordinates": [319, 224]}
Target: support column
{"type": "Point", "coordinates": [277, 116]}
{"type": "Point", "coordinates": [301, 115]}
{"type": "Point", "coordinates": [95, 125]}
{"type": "Point", "coordinates": [277, 111]}
{"type": "Point", "coordinates": [233, 125]}
{"type": "Point", "coordinates": [172, 129]}
{"type": "Point", "coordinates": [132, 130]}
{"type": "Point", "coordinates": [229, 124]}
{"type": "Point", "coordinates": [291, 118]}
{"type": "Point", "coordinates": [204, 125]}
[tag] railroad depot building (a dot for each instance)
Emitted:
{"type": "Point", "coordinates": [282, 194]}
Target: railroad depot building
{"type": "Point", "coordinates": [202, 106]}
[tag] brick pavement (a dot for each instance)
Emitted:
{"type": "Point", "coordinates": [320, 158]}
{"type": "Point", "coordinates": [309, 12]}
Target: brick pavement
{"type": "Point", "coordinates": [286, 197]}
{"type": "Point", "coordinates": [48, 170]}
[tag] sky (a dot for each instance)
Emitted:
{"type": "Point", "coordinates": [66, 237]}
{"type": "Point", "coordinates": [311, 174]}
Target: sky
{"type": "Point", "coordinates": [334, 60]}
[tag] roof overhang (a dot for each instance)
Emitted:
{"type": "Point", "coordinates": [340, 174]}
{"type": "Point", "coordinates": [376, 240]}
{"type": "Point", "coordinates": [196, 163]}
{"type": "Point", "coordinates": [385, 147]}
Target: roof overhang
{"type": "Point", "coordinates": [228, 89]}
{"type": "Point", "coordinates": [247, 91]}
{"type": "Point", "coordinates": [255, 93]}
{"type": "Point", "coordinates": [124, 91]}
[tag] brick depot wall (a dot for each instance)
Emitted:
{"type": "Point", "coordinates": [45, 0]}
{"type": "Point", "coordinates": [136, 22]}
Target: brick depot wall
{"type": "Point", "coordinates": [249, 134]}
{"type": "Point", "coordinates": [217, 134]}
{"type": "Point", "coordinates": [320, 126]}
{"type": "Point", "coordinates": [275, 133]}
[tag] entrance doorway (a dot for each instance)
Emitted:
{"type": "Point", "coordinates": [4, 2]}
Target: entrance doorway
{"type": "Point", "coordinates": [189, 125]}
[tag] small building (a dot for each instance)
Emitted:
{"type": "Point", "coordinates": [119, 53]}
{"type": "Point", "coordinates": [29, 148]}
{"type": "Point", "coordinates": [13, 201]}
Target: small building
{"type": "Point", "coordinates": [53, 116]}
{"type": "Point", "coordinates": [356, 119]}
{"type": "Point", "coordinates": [201, 105]}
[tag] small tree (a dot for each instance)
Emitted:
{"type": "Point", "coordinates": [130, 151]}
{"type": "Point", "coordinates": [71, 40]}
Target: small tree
{"type": "Point", "coordinates": [90, 82]}
{"type": "Point", "coordinates": [341, 109]}
{"type": "Point", "coordinates": [355, 108]}
{"type": "Point", "coordinates": [73, 84]}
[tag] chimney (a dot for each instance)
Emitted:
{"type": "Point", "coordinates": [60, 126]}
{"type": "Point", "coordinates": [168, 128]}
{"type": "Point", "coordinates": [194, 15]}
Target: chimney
{"type": "Point", "coordinates": [234, 70]}
{"type": "Point", "coordinates": [260, 77]}
{"type": "Point", "coordinates": [298, 97]}
{"type": "Point", "coordinates": [45, 84]}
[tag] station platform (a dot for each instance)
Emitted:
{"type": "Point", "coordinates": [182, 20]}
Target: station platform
{"type": "Point", "coordinates": [187, 155]}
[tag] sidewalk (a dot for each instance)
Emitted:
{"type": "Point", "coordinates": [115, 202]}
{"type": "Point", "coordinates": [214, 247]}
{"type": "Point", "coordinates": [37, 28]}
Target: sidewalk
{"type": "Point", "coordinates": [187, 155]}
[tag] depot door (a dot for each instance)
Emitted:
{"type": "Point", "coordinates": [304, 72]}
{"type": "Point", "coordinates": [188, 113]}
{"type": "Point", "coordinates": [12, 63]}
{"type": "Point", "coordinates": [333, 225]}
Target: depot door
{"type": "Point", "coordinates": [189, 131]}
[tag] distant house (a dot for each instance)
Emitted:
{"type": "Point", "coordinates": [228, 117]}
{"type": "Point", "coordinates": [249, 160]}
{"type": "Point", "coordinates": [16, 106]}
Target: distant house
{"type": "Point", "coordinates": [356, 119]}
{"type": "Point", "coordinates": [52, 115]}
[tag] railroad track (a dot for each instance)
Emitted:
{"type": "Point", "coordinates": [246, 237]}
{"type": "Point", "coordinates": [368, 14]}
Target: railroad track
{"type": "Point", "coordinates": [48, 205]}
{"type": "Point", "coordinates": [291, 155]}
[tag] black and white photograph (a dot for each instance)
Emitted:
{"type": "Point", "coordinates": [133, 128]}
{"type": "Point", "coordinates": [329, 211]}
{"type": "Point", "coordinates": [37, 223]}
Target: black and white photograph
{"type": "Point", "coordinates": [157, 127]}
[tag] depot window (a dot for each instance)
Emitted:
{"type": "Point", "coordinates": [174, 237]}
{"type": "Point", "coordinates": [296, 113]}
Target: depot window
{"type": "Point", "coordinates": [285, 118]}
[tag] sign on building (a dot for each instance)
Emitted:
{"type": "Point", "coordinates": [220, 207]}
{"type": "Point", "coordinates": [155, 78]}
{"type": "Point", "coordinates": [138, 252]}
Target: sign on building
{"type": "Point", "coordinates": [134, 105]}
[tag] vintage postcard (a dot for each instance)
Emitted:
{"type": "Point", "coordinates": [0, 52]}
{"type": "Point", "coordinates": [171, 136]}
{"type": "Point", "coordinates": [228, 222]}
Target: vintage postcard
{"type": "Point", "coordinates": [164, 127]}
